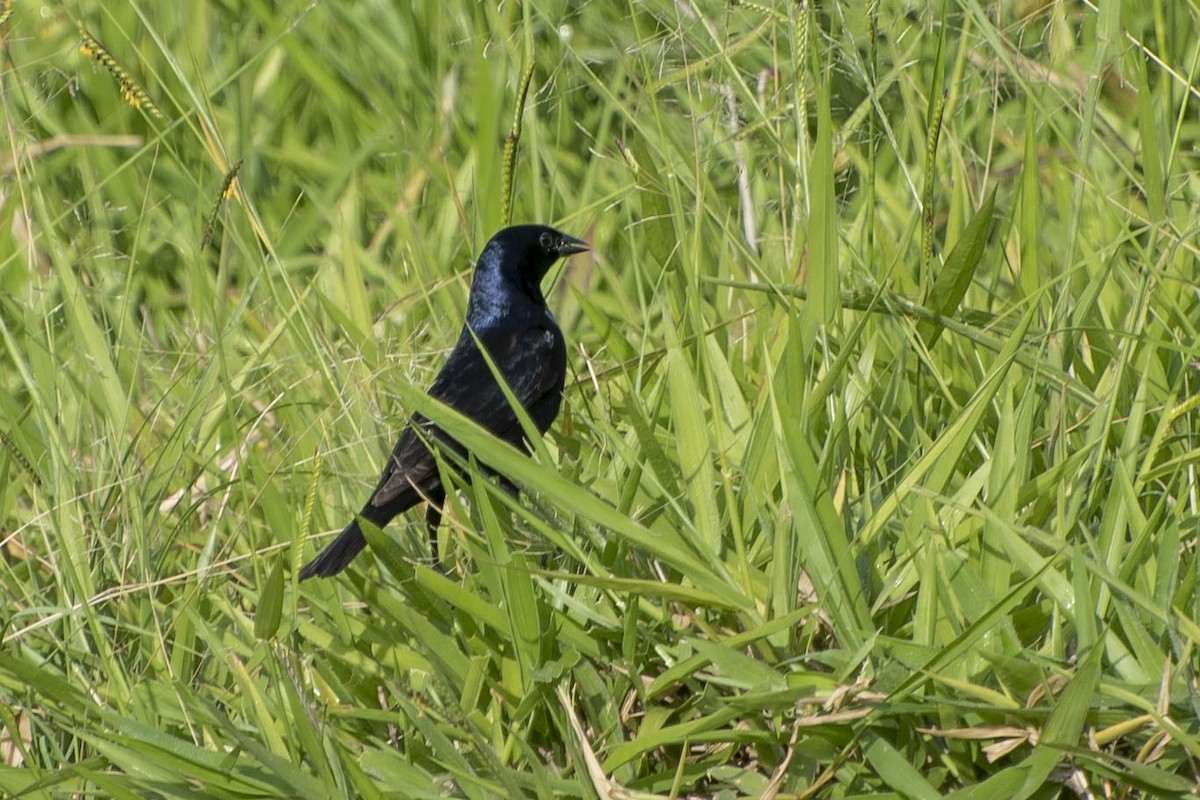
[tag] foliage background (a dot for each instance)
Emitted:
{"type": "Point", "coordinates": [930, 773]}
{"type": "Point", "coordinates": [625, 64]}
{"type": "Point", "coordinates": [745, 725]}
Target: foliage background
{"type": "Point", "coordinates": [833, 508]}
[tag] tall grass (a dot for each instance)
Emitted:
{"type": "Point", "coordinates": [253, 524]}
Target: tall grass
{"type": "Point", "coordinates": [876, 473]}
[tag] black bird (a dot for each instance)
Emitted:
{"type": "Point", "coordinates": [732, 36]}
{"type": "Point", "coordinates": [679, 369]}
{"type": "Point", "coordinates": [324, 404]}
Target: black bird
{"type": "Point", "coordinates": [507, 313]}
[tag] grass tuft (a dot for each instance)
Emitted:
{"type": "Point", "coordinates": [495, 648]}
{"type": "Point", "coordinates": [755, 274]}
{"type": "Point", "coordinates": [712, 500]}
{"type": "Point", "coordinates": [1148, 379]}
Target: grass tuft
{"type": "Point", "coordinates": [876, 472]}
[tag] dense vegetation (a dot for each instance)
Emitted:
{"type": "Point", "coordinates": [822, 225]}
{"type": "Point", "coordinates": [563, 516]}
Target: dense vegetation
{"type": "Point", "coordinates": [877, 469]}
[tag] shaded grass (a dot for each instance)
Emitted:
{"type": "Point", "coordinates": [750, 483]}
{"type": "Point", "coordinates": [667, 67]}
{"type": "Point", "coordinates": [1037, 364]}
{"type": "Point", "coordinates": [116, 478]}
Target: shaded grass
{"type": "Point", "coordinates": [930, 533]}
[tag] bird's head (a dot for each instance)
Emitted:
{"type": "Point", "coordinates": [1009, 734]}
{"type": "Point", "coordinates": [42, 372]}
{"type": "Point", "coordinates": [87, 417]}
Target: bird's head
{"type": "Point", "coordinates": [524, 253]}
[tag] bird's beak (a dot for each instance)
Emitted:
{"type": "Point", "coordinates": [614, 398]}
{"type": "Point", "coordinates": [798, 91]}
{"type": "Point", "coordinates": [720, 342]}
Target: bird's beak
{"type": "Point", "coordinates": [569, 245]}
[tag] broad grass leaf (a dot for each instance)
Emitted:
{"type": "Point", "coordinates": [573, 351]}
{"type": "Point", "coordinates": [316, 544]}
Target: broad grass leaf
{"type": "Point", "coordinates": [270, 604]}
{"type": "Point", "coordinates": [956, 274]}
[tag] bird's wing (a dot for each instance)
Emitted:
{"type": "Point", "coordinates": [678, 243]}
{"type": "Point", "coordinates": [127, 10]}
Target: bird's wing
{"type": "Point", "coordinates": [531, 357]}
{"type": "Point", "coordinates": [411, 470]}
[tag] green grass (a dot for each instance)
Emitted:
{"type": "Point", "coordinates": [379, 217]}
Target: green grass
{"type": "Point", "coordinates": [877, 468]}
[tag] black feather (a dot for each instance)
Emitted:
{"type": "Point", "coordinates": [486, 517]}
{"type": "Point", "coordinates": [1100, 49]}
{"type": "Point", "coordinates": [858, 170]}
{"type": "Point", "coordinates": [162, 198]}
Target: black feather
{"type": "Point", "coordinates": [508, 315]}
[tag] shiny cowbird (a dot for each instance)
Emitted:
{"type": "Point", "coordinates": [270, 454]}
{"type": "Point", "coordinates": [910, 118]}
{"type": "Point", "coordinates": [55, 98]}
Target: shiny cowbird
{"type": "Point", "coordinates": [507, 314]}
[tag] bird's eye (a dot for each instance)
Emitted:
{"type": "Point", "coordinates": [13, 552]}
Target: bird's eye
{"type": "Point", "coordinates": [546, 240]}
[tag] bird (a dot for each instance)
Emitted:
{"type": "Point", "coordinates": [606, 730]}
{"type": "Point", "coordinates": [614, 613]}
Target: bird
{"type": "Point", "coordinates": [508, 315]}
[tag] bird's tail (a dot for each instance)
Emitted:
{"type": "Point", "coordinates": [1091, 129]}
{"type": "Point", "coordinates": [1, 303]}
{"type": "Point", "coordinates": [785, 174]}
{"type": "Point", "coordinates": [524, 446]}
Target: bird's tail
{"type": "Point", "coordinates": [340, 552]}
